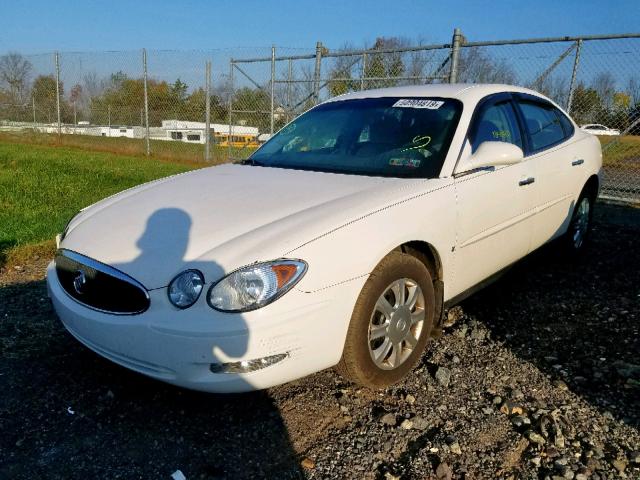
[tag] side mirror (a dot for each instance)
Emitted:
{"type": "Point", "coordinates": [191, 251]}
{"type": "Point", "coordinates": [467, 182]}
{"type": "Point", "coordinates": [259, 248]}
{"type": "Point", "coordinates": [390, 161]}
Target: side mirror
{"type": "Point", "coordinates": [492, 154]}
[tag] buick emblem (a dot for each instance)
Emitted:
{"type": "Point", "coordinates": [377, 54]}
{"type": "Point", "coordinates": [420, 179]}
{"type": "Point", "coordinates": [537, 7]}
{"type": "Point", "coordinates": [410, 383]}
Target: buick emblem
{"type": "Point", "coordinates": [79, 282]}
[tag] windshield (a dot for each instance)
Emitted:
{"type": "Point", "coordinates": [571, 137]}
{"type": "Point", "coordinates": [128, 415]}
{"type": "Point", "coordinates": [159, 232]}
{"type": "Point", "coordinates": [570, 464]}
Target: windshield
{"type": "Point", "coordinates": [390, 136]}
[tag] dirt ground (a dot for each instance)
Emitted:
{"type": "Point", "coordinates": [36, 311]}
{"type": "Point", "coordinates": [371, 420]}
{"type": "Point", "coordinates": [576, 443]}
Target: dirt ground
{"type": "Point", "coordinates": [537, 376]}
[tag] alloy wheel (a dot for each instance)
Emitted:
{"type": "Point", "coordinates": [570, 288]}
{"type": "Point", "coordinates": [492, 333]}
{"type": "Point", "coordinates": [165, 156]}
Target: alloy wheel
{"type": "Point", "coordinates": [396, 323]}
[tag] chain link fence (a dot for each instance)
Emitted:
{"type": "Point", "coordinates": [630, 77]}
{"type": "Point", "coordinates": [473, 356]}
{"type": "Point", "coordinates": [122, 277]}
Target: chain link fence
{"type": "Point", "coordinates": [217, 105]}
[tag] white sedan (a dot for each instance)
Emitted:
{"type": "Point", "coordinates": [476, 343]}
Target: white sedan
{"type": "Point", "coordinates": [338, 243]}
{"type": "Point", "coordinates": [597, 129]}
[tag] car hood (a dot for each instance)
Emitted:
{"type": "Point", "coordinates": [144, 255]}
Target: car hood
{"type": "Point", "coordinates": [218, 219]}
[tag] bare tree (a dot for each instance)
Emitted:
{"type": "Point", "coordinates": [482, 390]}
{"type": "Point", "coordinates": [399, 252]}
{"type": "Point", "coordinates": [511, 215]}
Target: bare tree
{"type": "Point", "coordinates": [422, 63]}
{"type": "Point", "coordinates": [75, 97]}
{"type": "Point", "coordinates": [93, 85]}
{"type": "Point", "coordinates": [417, 65]}
{"type": "Point", "coordinates": [477, 66]}
{"type": "Point", "coordinates": [556, 88]}
{"type": "Point", "coordinates": [633, 89]}
{"type": "Point", "coordinates": [341, 73]}
{"type": "Point", "coordinates": [605, 85]}
{"type": "Point", "coordinates": [222, 89]}
{"type": "Point", "coordinates": [304, 91]}
{"type": "Point", "coordinates": [14, 73]}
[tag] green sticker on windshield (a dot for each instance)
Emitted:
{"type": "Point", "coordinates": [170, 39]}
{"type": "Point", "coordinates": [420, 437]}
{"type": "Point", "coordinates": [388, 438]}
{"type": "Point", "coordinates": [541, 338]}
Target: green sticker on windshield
{"type": "Point", "coordinates": [405, 162]}
{"type": "Point", "coordinates": [503, 135]}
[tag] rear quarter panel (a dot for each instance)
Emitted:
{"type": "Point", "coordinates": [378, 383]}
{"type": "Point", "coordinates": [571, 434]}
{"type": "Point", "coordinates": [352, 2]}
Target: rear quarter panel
{"type": "Point", "coordinates": [588, 148]}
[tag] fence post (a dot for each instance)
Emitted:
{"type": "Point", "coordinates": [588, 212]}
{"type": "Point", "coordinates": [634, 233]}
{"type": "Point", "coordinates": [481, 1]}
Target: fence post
{"type": "Point", "coordinates": [33, 105]}
{"type": "Point", "coordinates": [146, 101]}
{"type": "Point", "coordinates": [109, 114]}
{"type": "Point", "coordinates": [230, 107]}
{"type": "Point", "coordinates": [364, 70]}
{"type": "Point", "coordinates": [289, 82]}
{"type": "Point", "coordinates": [316, 73]}
{"type": "Point", "coordinates": [574, 74]}
{"type": "Point", "coordinates": [455, 53]}
{"type": "Point", "coordinates": [58, 91]}
{"type": "Point", "coordinates": [273, 83]}
{"type": "Point", "coordinates": [207, 120]}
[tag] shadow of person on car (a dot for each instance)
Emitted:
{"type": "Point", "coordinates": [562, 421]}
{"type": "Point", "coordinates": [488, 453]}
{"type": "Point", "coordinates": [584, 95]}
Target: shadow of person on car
{"type": "Point", "coordinates": [125, 424]}
{"type": "Point", "coordinates": [237, 425]}
{"type": "Point", "coordinates": [576, 319]}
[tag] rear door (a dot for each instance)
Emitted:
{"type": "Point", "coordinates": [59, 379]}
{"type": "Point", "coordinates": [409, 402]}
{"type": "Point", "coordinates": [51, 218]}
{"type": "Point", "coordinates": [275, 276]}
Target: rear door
{"type": "Point", "coordinates": [493, 206]}
{"type": "Point", "coordinates": [547, 138]}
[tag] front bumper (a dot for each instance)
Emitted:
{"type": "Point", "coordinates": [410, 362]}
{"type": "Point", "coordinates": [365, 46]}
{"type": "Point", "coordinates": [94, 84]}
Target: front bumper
{"type": "Point", "coordinates": [179, 346]}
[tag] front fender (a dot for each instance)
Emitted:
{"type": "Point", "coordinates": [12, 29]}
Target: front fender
{"type": "Point", "coordinates": [354, 250]}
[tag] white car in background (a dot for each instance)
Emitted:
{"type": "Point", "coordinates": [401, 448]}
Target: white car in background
{"type": "Point", "coordinates": [338, 243]}
{"type": "Point", "coordinates": [597, 129]}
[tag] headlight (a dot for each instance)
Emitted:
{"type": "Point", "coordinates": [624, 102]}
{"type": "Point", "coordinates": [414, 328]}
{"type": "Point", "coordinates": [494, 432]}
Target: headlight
{"type": "Point", "coordinates": [256, 285]}
{"type": "Point", "coordinates": [185, 288]}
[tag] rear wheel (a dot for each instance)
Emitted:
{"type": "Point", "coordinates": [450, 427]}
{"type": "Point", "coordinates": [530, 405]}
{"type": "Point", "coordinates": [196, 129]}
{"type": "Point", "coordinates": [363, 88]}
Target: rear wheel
{"type": "Point", "coordinates": [391, 322]}
{"type": "Point", "coordinates": [580, 225]}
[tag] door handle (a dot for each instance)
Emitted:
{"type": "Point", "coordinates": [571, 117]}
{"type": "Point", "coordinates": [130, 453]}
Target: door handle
{"type": "Point", "coordinates": [526, 181]}
{"type": "Point", "coordinates": [575, 163]}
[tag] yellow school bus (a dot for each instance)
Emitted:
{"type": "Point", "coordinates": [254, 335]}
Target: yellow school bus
{"type": "Point", "coordinates": [238, 140]}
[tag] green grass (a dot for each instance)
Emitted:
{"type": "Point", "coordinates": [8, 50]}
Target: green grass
{"type": "Point", "coordinates": [42, 187]}
{"type": "Point", "coordinates": [622, 150]}
{"type": "Point", "coordinates": [162, 150]}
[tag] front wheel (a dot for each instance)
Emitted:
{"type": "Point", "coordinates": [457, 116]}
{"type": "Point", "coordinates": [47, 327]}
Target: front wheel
{"type": "Point", "coordinates": [391, 322]}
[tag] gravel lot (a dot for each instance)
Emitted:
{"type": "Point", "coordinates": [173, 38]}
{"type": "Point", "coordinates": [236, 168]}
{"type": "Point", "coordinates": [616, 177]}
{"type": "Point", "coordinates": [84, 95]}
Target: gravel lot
{"type": "Point", "coordinates": [537, 376]}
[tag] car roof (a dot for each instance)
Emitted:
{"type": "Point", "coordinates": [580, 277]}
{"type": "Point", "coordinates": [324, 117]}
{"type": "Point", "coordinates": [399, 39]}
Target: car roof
{"type": "Point", "coordinates": [466, 92]}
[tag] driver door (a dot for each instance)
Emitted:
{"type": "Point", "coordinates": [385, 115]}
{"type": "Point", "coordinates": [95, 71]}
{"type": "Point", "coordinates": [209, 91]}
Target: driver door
{"type": "Point", "coordinates": [494, 206]}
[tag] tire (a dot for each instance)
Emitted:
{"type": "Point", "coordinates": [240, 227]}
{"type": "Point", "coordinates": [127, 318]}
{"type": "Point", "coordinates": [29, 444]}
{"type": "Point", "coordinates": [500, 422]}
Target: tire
{"type": "Point", "coordinates": [404, 328]}
{"type": "Point", "coordinates": [578, 232]}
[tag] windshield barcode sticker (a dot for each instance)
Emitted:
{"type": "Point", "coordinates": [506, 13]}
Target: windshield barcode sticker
{"type": "Point", "coordinates": [419, 103]}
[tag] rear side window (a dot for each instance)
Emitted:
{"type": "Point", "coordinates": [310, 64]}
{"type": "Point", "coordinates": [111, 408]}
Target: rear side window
{"type": "Point", "coordinates": [496, 123]}
{"type": "Point", "coordinates": [543, 124]}
{"type": "Point", "coordinates": [566, 124]}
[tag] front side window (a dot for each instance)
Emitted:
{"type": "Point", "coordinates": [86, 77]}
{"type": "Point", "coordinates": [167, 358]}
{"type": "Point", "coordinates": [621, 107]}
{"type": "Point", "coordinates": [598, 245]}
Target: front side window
{"type": "Point", "coordinates": [543, 124]}
{"type": "Point", "coordinates": [390, 136]}
{"type": "Point", "coordinates": [496, 123]}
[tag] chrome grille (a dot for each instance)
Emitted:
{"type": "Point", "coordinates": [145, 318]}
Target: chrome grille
{"type": "Point", "coordinates": [99, 286]}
